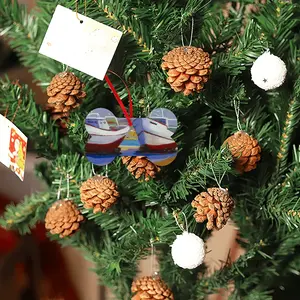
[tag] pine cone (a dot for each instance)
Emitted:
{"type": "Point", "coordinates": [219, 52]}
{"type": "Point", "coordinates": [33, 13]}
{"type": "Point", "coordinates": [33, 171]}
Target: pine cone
{"type": "Point", "coordinates": [150, 288]}
{"type": "Point", "coordinates": [99, 193]}
{"type": "Point", "coordinates": [63, 218]}
{"type": "Point", "coordinates": [215, 206]}
{"type": "Point", "coordinates": [245, 151]}
{"type": "Point", "coordinates": [65, 92]}
{"type": "Point", "coordinates": [188, 69]}
{"type": "Point", "coordinates": [140, 165]}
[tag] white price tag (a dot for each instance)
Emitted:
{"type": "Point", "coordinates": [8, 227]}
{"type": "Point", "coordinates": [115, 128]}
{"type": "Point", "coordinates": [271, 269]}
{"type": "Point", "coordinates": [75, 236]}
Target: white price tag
{"type": "Point", "coordinates": [84, 44]}
{"type": "Point", "coordinates": [12, 147]}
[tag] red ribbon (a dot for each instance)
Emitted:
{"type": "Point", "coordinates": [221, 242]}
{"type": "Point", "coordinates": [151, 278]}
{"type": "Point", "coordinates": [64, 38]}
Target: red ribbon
{"type": "Point", "coordinates": [127, 115]}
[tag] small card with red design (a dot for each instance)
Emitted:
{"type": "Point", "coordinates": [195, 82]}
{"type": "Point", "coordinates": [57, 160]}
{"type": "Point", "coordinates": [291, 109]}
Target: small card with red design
{"type": "Point", "coordinates": [80, 42]}
{"type": "Point", "coordinates": [12, 147]}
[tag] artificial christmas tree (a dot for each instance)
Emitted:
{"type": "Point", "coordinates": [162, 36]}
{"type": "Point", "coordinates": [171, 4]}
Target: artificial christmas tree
{"type": "Point", "coordinates": [266, 199]}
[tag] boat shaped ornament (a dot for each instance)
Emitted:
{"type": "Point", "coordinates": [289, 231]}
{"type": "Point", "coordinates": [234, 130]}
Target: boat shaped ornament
{"type": "Point", "coordinates": [151, 137]}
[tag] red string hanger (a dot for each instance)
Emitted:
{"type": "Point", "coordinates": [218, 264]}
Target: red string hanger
{"type": "Point", "coordinates": [127, 115]}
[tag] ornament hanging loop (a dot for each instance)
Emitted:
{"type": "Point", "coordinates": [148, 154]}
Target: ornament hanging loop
{"type": "Point", "coordinates": [85, 5]}
{"type": "Point", "coordinates": [93, 170]}
{"type": "Point", "coordinates": [192, 32]}
{"type": "Point", "coordinates": [65, 68]}
{"type": "Point", "coordinates": [218, 181]}
{"type": "Point", "coordinates": [59, 188]}
{"type": "Point", "coordinates": [128, 115]}
{"type": "Point", "coordinates": [68, 186]}
{"type": "Point", "coordinates": [6, 111]}
{"type": "Point", "coordinates": [183, 227]}
{"type": "Point", "coordinates": [152, 258]}
{"type": "Point", "coordinates": [237, 111]}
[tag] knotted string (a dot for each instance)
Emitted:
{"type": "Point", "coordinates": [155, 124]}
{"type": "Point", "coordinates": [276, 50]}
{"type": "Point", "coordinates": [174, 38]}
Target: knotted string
{"type": "Point", "coordinates": [175, 215]}
{"type": "Point", "coordinates": [85, 5]}
{"type": "Point", "coordinates": [15, 113]}
{"type": "Point", "coordinates": [93, 170]}
{"type": "Point", "coordinates": [152, 256]}
{"type": "Point", "coordinates": [128, 92]}
{"type": "Point", "coordinates": [59, 188]}
{"type": "Point", "coordinates": [68, 186]}
{"type": "Point", "coordinates": [6, 111]}
{"type": "Point", "coordinates": [237, 111]}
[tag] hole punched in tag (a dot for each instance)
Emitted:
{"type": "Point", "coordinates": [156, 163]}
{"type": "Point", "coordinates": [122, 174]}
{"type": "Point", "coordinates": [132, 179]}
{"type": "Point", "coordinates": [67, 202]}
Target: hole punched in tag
{"type": "Point", "coordinates": [80, 21]}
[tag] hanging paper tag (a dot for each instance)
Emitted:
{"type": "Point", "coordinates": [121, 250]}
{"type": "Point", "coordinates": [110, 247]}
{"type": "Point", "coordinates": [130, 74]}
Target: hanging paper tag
{"type": "Point", "coordinates": [13, 147]}
{"type": "Point", "coordinates": [81, 43]}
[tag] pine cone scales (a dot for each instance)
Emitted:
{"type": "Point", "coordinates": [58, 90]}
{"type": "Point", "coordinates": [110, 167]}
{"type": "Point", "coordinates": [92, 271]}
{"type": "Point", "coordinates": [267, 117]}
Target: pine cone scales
{"type": "Point", "coordinates": [139, 166]}
{"type": "Point", "coordinates": [245, 151]}
{"type": "Point", "coordinates": [188, 69]}
{"type": "Point", "coordinates": [151, 289]}
{"type": "Point", "coordinates": [63, 218]}
{"type": "Point", "coordinates": [99, 193]}
{"type": "Point", "coordinates": [65, 93]}
{"type": "Point", "coordinates": [215, 206]}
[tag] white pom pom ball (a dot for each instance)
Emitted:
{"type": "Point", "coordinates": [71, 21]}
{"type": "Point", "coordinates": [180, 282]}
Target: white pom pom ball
{"type": "Point", "coordinates": [268, 71]}
{"type": "Point", "coordinates": [188, 251]}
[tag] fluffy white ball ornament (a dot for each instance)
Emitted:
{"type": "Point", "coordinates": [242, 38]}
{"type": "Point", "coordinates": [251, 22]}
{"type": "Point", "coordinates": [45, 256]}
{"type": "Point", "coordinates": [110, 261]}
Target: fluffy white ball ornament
{"type": "Point", "coordinates": [188, 250]}
{"type": "Point", "coordinates": [268, 71]}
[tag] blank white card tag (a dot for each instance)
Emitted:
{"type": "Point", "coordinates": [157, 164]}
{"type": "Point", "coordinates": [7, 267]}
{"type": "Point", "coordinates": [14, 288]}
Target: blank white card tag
{"type": "Point", "coordinates": [87, 46]}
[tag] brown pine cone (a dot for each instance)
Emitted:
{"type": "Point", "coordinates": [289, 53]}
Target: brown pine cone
{"type": "Point", "coordinates": [99, 193]}
{"type": "Point", "coordinates": [63, 218]}
{"type": "Point", "coordinates": [245, 151]}
{"type": "Point", "coordinates": [140, 165]}
{"type": "Point", "coordinates": [150, 288]}
{"type": "Point", "coordinates": [65, 93]}
{"type": "Point", "coordinates": [215, 206]}
{"type": "Point", "coordinates": [188, 69]}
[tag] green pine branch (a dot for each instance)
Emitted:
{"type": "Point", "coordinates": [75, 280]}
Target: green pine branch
{"type": "Point", "coordinates": [29, 117]}
{"type": "Point", "coordinates": [244, 50]}
{"type": "Point", "coordinates": [24, 215]}
{"type": "Point", "coordinates": [227, 274]}
{"type": "Point", "coordinates": [216, 30]}
{"type": "Point", "coordinates": [206, 165]}
{"type": "Point", "coordinates": [128, 19]}
{"type": "Point", "coordinates": [177, 278]}
{"type": "Point", "coordinates": [112, 269]}
{"type": "Point", "coordinates": [291, 122]}
{"type": "Point", "coordinates": [283, 205]}
{"type": "Point", "coordinates": [267, 201]}
{"type": "Point", "coordinates": [24, 33]}
{"type": "Point", "coordinates": [278, 21]}
{"type": "Point", "coordinates": [274, 260]}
